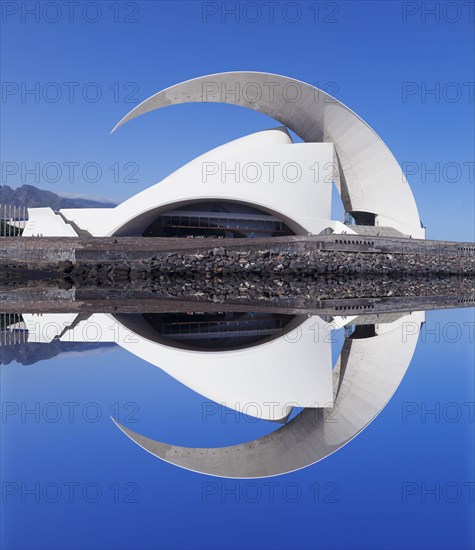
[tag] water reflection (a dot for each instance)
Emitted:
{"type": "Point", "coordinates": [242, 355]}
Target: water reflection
{"type": "Point", "coordinates": [259, 363]}
{"type": "Point", "coordinates": [371, 366]}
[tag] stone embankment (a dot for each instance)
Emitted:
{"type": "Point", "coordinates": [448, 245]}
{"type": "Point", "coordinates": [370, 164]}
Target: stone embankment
{"type": "Point", "coordinates": [137, 258]}
{"type": "Point", "coordinates": [297, 262]}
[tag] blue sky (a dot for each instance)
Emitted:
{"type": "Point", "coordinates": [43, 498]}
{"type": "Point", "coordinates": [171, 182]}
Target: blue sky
{"type": "Point", "coordinates": [380, 58]}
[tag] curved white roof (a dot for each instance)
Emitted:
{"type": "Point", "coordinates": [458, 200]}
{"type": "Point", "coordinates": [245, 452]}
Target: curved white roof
{"type": "Point", "coordinates": [266, 170]}
{"type": "Point", "coordinates": [370, 180]}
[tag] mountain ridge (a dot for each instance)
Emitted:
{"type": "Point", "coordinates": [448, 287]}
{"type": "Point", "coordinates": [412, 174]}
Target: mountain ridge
{"type": "Point", "coordinates": [30, 196]}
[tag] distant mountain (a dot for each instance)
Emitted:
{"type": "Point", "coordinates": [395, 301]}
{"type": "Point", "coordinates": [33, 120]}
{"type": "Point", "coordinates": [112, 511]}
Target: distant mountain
{"type": "Point", "coordinates": [30, 196]}
{"type": "Point", "coordinates": [30, 353]}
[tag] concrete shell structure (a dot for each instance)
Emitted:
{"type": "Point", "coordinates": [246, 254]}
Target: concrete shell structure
{"type": "Point", "coordinates": [238, 172]}
{"type": "Point", "coordinates": [265, 170]}
{"type": "Point", "coordinates": [289, 181]}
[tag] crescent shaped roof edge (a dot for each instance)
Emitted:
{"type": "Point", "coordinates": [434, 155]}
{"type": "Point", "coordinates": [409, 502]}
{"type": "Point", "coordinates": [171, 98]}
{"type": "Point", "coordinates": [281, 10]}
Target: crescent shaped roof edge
{"type": "Point", "coordinates": [370, 178]}
{"type": "Point", "coordinates": [148, 105]}
{"type": "Point", "coordinates": [196, 459]}
{"type": "Point", "coordinates": [258, 458]}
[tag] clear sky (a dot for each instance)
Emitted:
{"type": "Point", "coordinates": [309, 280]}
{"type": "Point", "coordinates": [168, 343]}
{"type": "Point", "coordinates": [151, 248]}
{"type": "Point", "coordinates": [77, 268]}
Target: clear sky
{"type": "Point", "coordinates": [70, 72]}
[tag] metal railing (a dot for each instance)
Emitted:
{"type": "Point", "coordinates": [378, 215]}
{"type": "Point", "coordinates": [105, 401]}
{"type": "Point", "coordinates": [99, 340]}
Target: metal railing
{"type": "Point", "coordinates": [13, 220]}
{"type": "Point", "coordinates": [12, 329]}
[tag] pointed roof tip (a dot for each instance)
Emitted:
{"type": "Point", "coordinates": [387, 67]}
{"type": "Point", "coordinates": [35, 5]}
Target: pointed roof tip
{"type": "Point", "coordinates": [117, 126]}
{"type": "Point", "coordinates": [117, 423]}
{"type": "Point", "coordinates": [135, 112]}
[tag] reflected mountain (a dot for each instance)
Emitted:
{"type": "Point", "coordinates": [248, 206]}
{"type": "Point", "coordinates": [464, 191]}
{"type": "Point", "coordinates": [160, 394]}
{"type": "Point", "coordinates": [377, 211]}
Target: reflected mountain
{"type": "Point", "coordinates": [16, 345]}
{"type": "Point", "coordinates": [31, 353]}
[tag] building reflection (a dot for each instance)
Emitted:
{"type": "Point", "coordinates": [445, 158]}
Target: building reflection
{"type": "Point", "coordinates": [274, 361]}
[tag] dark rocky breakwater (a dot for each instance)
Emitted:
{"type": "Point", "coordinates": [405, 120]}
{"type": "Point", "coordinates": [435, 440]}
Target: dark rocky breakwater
{"type": "Point", "coordinates": [320, 273]}
{"type": "Point", "coordinates": [336, 273]}
{"type": "Point", "coordinates": [219, 262]}
{"type": "Point", "coordinates": [295, 257]}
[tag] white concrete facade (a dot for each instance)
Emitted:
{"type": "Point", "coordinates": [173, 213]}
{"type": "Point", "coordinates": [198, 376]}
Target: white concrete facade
{"type": "Point", "coordinates": [366, 173]}
{"type": "Point", "coordinates": [266, 170]}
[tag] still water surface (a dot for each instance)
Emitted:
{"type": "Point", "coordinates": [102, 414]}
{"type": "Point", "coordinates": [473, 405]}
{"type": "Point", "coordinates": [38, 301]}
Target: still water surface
{"type": "Point", "coordinates": [72, 479]}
